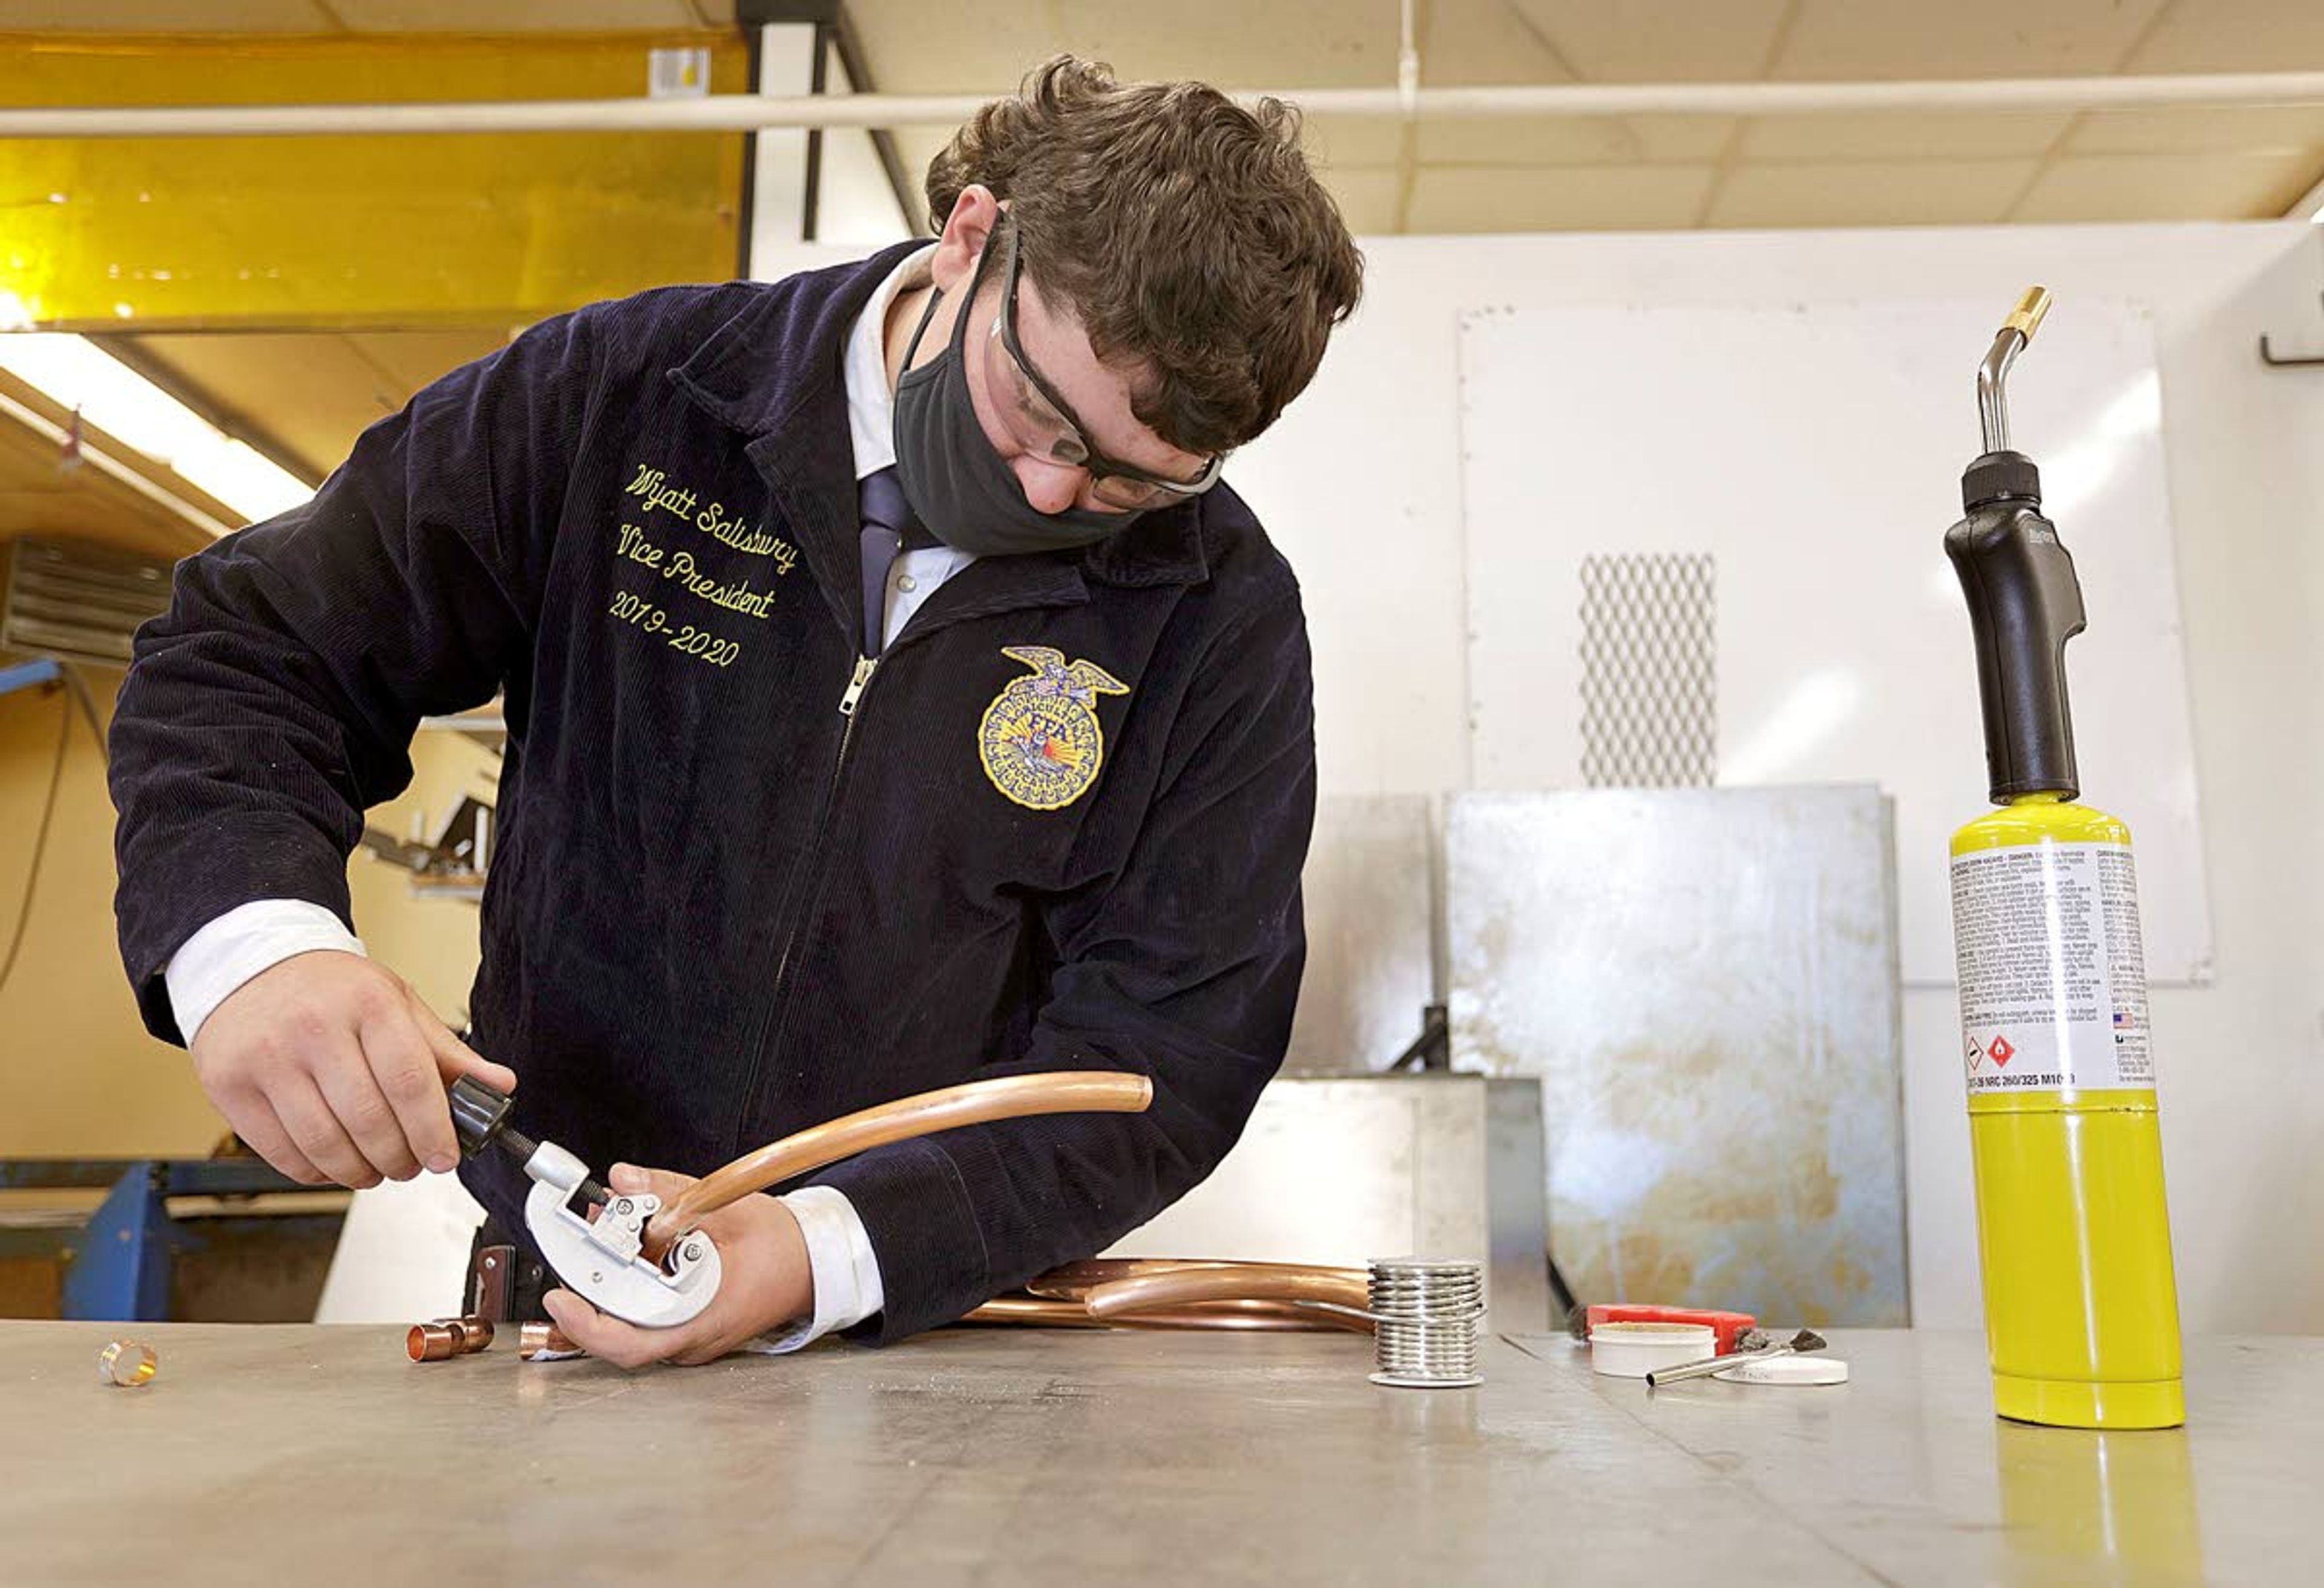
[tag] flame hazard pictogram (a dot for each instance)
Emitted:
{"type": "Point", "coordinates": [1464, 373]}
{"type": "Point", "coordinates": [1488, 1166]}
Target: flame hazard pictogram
{"type": "Point", "coordinates": [2001, 1052]}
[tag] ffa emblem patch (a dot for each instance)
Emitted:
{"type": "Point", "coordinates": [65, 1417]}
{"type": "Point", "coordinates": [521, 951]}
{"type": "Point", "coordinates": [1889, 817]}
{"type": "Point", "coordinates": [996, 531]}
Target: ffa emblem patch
{"type": "Point", "coordinates": [1040, 739]}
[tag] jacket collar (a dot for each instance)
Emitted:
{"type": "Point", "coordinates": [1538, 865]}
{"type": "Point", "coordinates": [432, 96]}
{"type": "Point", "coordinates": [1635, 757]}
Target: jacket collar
{"type": "Point", "coordinates": [773, 372]}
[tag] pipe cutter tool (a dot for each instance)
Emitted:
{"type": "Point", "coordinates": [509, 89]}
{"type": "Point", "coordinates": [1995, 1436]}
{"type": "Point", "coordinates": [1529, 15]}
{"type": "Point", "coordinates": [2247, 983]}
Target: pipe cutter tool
{"type": "Point", "coordinates": [599, 1258]}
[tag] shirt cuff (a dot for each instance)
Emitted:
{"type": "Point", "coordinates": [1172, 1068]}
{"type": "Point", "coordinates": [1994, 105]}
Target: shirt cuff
{"type": "Point", "coordinates": [840, 1260]}
{"type": "Point", "coordinates": [238, 945]}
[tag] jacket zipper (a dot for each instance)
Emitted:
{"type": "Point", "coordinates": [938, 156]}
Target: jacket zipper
{"type": "Point", "coordinates": [865, 666]}
{"type": "Point", "coordinates": [812, 880]}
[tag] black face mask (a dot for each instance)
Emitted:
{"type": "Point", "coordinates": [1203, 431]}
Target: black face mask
{"type": "Point", "coordinates": [968, 498]}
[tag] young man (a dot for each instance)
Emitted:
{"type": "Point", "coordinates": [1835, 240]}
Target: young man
{"type": "Point", "coordinates": [894, 698]}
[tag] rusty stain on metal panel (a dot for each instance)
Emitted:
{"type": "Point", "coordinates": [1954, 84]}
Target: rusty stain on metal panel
{"type": "Point", "coordinates": [1705, 982]}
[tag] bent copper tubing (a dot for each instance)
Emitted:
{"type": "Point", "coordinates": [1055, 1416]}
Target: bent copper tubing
{"type": "Point", "coordinates": [1074, 1280]}
{"type": "Point", "coordinates": [1178, 1288]}
{"type": "Point", "coordinates": [1034, 1312]}
{"type": "Point", "coordinates": [1275, 1316]}
{"type": "Point", "coordinates": [975, 1103]}
{"type": "Point", "coordinates": [1042, 1313]}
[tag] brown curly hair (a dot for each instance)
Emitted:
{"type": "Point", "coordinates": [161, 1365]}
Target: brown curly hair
{"type": "Point", "coordinates": [1186, 233]}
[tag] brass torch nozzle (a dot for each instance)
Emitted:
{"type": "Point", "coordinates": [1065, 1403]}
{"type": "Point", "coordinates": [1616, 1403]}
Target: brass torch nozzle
{"type": "Point", "coordinates": [2027, 317]}
{"type": "Point", "coordinates": [1993, 375]}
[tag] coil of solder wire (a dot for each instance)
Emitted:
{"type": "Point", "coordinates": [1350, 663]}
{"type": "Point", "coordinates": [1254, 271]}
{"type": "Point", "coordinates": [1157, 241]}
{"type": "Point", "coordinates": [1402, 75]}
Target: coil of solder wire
{"type": "Point", "coordinates": [1424, 1319]}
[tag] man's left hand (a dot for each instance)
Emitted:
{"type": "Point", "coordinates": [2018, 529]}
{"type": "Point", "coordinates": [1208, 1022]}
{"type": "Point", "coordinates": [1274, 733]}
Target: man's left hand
{"type": "Point", "coordinates": [765, 1283]}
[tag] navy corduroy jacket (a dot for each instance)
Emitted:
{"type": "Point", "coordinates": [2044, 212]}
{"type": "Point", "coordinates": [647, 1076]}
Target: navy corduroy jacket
{"type": "Point", "coordinates": [1063, 827]}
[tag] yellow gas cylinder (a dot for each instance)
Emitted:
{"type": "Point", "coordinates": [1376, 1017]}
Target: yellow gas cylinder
{"type": "Point", "coordinates": [2081, 1313]}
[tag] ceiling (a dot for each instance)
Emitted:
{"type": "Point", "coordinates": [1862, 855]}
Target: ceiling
{"type": "Point", "coordinates": [1637, 173]}
{"type": "Point", "coordinates": [1616, 172]}
{"type": "Point", "coordinates": [303, 398]}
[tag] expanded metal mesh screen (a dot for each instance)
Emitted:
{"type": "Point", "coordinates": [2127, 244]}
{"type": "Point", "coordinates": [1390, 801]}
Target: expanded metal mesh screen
{"type": "Point", "coordinates": [1649, 671]}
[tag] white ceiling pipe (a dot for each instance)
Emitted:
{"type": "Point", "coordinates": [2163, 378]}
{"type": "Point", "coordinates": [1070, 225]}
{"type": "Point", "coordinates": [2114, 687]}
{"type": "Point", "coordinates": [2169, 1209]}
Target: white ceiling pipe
{"type": "Point", "coordinates": [745, 112]}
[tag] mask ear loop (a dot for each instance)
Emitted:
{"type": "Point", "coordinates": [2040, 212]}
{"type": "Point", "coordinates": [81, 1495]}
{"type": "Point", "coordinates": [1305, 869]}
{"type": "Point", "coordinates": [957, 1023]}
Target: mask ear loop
{"type": "Point", "coordinates": [935, 296]}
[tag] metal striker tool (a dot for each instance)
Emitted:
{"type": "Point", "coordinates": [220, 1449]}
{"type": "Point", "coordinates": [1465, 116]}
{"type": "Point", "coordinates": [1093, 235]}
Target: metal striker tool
{"type": "Point", "coordinates": [1757, 1346]}
{"type": "Point", "coordinates": [600, 1258]}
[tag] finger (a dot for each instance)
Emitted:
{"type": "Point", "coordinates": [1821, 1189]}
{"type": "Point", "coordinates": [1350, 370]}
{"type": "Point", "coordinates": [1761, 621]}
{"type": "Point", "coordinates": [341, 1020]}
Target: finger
{"type": "Point", "coordinates": [315, 1130]}
{"type": "Point", "coordinates": [253, 1119]}
{"type": "Point", "coordinates": [631, 1180]}
{"type": "Point", "coordinates": [365, 1115]}
{"type": "Point", "coordinates": [625, 1345]}
{"type": "Point", "coordinates": [453, 1057]}
{"type": "Point", "coordinates": [403, 1068]}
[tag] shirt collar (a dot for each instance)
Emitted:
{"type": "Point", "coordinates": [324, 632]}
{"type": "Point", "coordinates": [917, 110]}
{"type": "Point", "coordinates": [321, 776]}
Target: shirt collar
{"type": "Point", "coordinates": [863, 369]}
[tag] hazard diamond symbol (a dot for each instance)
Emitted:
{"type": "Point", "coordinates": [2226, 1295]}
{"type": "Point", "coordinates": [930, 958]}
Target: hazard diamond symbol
{"type": "Point", "coordinates": [2001, 1051]}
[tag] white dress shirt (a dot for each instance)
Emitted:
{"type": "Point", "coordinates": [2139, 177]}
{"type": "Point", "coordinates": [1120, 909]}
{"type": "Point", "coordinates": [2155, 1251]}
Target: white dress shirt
{"type": "Point", "coordinates": [251, 938]}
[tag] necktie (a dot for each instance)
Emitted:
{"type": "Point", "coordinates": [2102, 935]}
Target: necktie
{"type": "Point", "coordinates": [890, 528]}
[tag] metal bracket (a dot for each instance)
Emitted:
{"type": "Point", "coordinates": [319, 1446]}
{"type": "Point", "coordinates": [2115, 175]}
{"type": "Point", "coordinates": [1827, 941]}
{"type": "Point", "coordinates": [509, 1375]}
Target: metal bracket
{"type": "Point", "coordinates": [2268, 357]}
{"type": "Point", "coordinates": [601, 1259]}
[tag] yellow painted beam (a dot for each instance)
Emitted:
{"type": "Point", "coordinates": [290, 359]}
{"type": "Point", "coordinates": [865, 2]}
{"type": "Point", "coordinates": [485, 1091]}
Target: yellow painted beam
{"type": "Point", "coordinates": [160, 234]}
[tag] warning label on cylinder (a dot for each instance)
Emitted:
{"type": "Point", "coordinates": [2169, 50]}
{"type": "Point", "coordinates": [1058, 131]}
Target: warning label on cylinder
{"type": "Point", "coordinates": [2052, 972]}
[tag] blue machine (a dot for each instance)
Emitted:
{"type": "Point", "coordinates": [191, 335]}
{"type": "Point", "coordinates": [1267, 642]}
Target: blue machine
{"type": "Point", "coordinates": [117, 1266]}
{"type": "Point", "coordinates": [26, 675]}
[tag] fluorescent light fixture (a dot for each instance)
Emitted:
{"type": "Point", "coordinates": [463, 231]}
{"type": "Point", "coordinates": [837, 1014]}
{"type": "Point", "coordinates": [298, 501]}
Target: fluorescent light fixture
{"type": "Point", "coordinates": [75, 373]}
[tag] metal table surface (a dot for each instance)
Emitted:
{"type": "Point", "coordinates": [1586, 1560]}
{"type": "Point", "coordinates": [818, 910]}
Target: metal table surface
{"type": "Point", "coordinates": [320, 1456]}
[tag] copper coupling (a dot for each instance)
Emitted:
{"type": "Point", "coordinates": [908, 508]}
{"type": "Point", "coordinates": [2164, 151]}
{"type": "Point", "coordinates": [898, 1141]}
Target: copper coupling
{"type": "Point", "coordinates": [439, 1338]}
{"type": "Point", "coordinates": [545, 1342]}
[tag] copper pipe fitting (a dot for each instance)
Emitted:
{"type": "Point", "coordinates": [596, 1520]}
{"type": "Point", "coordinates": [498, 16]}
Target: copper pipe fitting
{"type": "Point", "coordinates": [545, 1342]}
{"type": "Point", "coordinates": [975, 1103]}
{"type": "Point", "coordinates": [1178, 1288]}
{"type": "Point", "coordinates": [131, 1364]}
{"type": "Point", "coordinates": [439, 1338]}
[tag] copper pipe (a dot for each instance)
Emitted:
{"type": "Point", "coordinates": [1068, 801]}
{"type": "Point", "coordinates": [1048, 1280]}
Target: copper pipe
{"type": "Point", "coordinates": [1074, 1280]}
{"type": "Point", "coordinates": [1034, 1312]}
{"type": "Point", "coordinates": [539, 1342]}
{"type": "Point", "coordinates": [1250, 1282]}
{"type": "Point", "coordinates": [975, 1103]}
{"type": "Point", "coordinates": [1041, 1312]}
{"type": "Point", "coordinates": [439, 1338]}
{"type": "Point", "coordinates": [1274, 1317]}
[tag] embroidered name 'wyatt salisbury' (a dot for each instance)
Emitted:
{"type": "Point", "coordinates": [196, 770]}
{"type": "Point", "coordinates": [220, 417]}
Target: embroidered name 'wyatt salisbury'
{"type": "Point", "coordinates": [660, 494]}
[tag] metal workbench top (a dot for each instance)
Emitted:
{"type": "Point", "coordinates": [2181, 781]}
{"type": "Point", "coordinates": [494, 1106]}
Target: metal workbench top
{"type": "Point", "coordinates": [321, 1455]}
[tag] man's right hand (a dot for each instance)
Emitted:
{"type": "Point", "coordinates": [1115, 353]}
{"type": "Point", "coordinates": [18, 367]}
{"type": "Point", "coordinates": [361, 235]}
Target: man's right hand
{"type": "Point", "coordinates": [334, 1070]}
